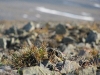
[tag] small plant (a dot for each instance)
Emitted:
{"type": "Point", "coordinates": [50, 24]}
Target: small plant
{"type": "Point", "coordinates": [30, 57]}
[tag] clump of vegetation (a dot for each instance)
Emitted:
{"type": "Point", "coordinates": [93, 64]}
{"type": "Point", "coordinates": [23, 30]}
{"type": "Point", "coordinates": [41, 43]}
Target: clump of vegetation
{"type": "Point", "coordinates": [30, 57]}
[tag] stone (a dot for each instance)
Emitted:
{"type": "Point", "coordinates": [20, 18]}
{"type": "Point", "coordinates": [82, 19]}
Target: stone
{"type": "Point", "coordinates": [45, 62]}
{"type": "Point", "coordinates": [61, 47]}
{"type": "Point", "coordinates": [59, 66]}
{"type": "Point", "coordinates": [29, 42]}
{"type": "Point", "coordinates": [29, 27]}
{"type": "Point", "coordinates": [12, 30]}
{"type": "Point", "coordinates": [68, 40]}
{"type": "Point", "coordinates": [1, 54]}
{"type": "Point", "coordinates": [60, 29]}
{"type": "Point", "coordinates": [38, 71]}
{"type": "Point", "coordinates": [81, 53]}
{"type": "Point", "coordinates": [6, 70]}
{"type": "Point", "coordinates": [37, 43]}
{"type": "Point", "coordinates": [88, 71]}
{"type": "Point", "coordinates": [21, 32]}
{"type": "Point", "coordinates": [80, 45]}
{"type": "Point", "coordinates": [70, 50]}
{"type": "Point", "coordinates": [70, 66]}
{"type": "Point", "coordinates": [92, 36]}
{"type": "Point", "coordinates": [98, 71]}
{"type": "Point", "coordinates": [3, 43]}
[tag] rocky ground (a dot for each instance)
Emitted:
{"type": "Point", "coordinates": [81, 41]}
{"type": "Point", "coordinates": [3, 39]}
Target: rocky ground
{"type": "Point", "coordinates": [49, 48]}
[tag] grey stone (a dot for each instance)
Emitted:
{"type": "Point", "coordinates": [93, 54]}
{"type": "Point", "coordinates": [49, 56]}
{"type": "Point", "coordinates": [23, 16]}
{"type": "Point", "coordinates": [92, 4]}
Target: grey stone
{"type": "Point", "coordinates": [60, 29]}
{"type": "Point", "coordinates": [7, 68]}
{"type": "Point", "coordinates": [80, 45]}
{"type": "Point", "coordinates": [3, 43]}
{"type": "Point", "coordinates": [98, 71]}
{"type": "Point", "coordinates": [45, 62]}
{"type": "Point", "coordinates": [38, 71]}
{"type": "Point", "coordinates": [1, 54]}
{"type": "Point", "coordinates": [62, 47]}
{"type": "Point", "coordinates": [81, 53]}
{"type": "Point", "coordinates": [12, 30]}
{"type": "Point", "coordinates": [29, 27]}
{"type": "Point", "coordinates": [29, 42]}
{"type": "Point", "coordinates": [70, 66]}
{"type": "Point", "coordinates": [67, 40]}
{"type": "Point", "coordinates": [88, 71]}
{"type": "Point", "coordinates": [37, 43]}
{"type": "Point", "coordinates": [92, 36]}
{"type": "Point", "coordinates": [12, 40]}
{"type": "Point", "coordinates": [21, 32]}
{"type": "Point", "coordinates": [69, 51]}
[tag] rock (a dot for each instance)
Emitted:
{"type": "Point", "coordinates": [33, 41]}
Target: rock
{"type": "Point", "coordinates": [60, 29]}
{"type": "Point", "coordinates": [81, 53]}
{"type": "Point", "coordinates": [12, 40]}
{"type": "Point", "coordinates": [1, 54]}
{"type": "Point", "coordinates": [67, 40]}
{"type": "Point", "coordinates": [37, 43]}
{"type": "Point", "coordinates": [29, 27]}
{"type": "Point", "coordinates": [59, 66]}
{"type": "Point", "coordinates": [6, 70]}
{"type": "Point", "coordinates": [80, 45]}
{"type": "Point", "coordinates": [88, 71]}
{"type": "Point", "coordinates": [69, 26]}
{"type": "Point", "coordinates": [45, 62]}
{"type": "Point", "coordinates": [70, 66]}
{"type": "Point", "coordinates": [21, 32]}
{"type": "Point", "coordinates": [51, 67]}
{"type": "Point", "coordinates": [61, 47]}
{"type": "Point", "coordinates": [69, 51]}
{"type": "Point", "coordinates": [92, 36]}
{"type": "Point", "coordinates": [98, 71]}
{"type": "Point", "coordinates": [29, 42]}
{"type": "Point", "coordinates": [12, 30]}
{"type": "Point", "coordinates": [3, 43]}
{"type": "Point", "coordinates": [88, 45]}
{"type": "Point", "coordinates": [38, 71]}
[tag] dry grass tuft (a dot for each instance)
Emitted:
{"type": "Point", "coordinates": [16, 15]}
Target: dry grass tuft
{"type": "Point", "coordinates": [30, 57]}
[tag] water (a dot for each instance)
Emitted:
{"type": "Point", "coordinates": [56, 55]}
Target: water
{"type": "Point", "coordinates": [27, 10]}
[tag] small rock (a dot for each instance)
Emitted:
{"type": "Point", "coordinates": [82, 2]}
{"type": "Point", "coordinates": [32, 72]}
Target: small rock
{"type": "Point", "coordinates": [7, 68]}
{"type": "Point", "coordinates": [61, 47]}
{"type": "Point", "coordinates": [51, 67]}
{"type": "Point", "coordinates": [67, 40]}
{"type": "Point", "coordinates": [29, 42]}
{"type": "Point", "coordinates": [98, 71]}
{"type": "Point", "coordinates": [60, 29]}
{"type": "Point", "coordinates": [59, 66]}
{"type": "Point", "coordinates": [88, 71]}
{"type": "Point", "coordinates": [45, 62]}
{"type": "Point", "coordinates": [81, 53]}
{"type": "Point", "coordinates": [69, 51]}
{"type": "Point", "coordinates": [36, 71]}
{"type": "Point", "coordinates": [92, 36]}
{"type": "Point", "coordinates": [12, 30]}
{"type": "Point", "coordinates": [70, 66]}
{"type": "Point", "coordinates": [80, 45]}
{"type": "Point", "coordinates": [69, 26]}
{"type": "Point", "coordinates": [37, 43]}
{"type": "Point", "coordinates": [21, 32]}
{"type": "Point", "coordinates": [3, 43]}
{"type": "Point", "coordinates": [29, 27]}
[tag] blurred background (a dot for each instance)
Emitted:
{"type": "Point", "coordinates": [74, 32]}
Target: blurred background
{"type": "Point", "coordinates": [50, 10]}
